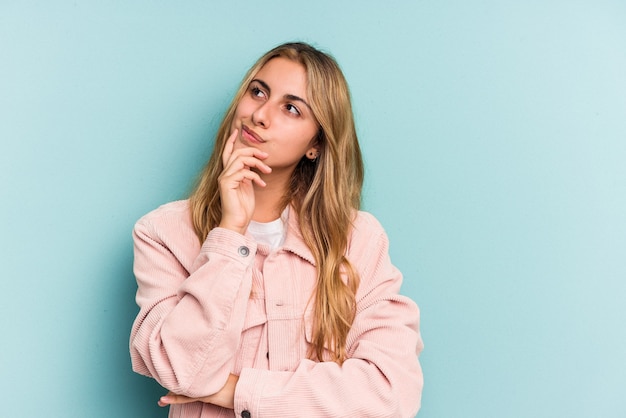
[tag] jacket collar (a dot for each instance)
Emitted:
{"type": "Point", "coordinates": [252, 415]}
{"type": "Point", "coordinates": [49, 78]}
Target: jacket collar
{"type": "Point", "coordinates": [294, 242]}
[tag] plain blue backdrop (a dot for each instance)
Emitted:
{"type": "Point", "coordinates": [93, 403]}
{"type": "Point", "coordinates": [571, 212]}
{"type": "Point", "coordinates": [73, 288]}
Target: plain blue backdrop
{"type": "Point", "coordinates": [494, 134]}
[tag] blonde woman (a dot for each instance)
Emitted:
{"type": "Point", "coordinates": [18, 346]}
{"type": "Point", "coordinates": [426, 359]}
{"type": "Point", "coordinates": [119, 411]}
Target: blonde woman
{"type": "Point", "coordinates": [268, 293]}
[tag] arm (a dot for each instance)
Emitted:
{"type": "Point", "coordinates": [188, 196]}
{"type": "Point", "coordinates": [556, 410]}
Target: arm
{"type": "Point", "coordinates": [189, 325]}
{"type": "Point", "coordinates": [192, 314]}
{"type": "Point", "coordinates": [381, 377]}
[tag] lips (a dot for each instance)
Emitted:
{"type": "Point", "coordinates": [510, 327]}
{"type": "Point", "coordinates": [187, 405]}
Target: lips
{"type": "Point", "coordinates": [250, 136]}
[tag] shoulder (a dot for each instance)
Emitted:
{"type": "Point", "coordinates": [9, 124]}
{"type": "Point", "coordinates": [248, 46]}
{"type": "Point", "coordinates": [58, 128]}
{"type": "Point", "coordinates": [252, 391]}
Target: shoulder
{"type": "Point", "coordinates": [166, 237]}
{"type": "Point", "coordinates": [367, 237]}
{"type": "Point", "coordinates": [170, 211]}
{"type": "Point", "coordinates": [368, 252]}
{"type": "Point", "coordinates": [365, 225]}
{"type": "Point", "coordinates": [170, 218]}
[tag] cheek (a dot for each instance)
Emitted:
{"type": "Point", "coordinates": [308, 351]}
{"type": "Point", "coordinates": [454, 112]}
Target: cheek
{"type": "Point", "coordinates": [245, 107]}
{"type": "Point", "coordinates": [238, 112]}
{"type": "Point", "coordinates": [242, 111]}
{"type": "Point", "coordinates": [309, 134]}
{"type": "Point", "coordinates": [301, 139]}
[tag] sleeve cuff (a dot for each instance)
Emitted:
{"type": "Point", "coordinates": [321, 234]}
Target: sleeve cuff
{"type": "Point", "coordinates": [248, 392]}
{"type": "Point", "coordinates": [231, 244]}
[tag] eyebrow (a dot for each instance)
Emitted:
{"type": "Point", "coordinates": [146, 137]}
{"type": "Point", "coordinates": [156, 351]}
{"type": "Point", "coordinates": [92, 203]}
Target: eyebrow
{"type": "Point", "coordinates": [291, 97]}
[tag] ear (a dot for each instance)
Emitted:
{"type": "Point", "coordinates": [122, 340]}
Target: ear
{"type": "Point", "coordinates": [314, 150]}
{"type": "Point", "coordinates": [312, 153]}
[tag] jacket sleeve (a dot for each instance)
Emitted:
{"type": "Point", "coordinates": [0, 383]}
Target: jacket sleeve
{"type": "Point", "coordinates": [190, 319]}
{"type": "Point", "coordinates": [381, 377]}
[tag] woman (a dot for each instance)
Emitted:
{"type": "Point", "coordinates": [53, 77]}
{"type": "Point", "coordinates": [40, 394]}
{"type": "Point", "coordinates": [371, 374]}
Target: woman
{"type": "Point", "coordinates": [267, 293]}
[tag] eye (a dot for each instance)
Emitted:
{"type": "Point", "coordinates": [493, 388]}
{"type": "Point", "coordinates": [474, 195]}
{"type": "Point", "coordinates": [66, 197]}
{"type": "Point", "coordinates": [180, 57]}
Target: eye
{"type": "Point", "coordinates": [255, 91]}
{"type": "Point", "coordinates": [292, 109]}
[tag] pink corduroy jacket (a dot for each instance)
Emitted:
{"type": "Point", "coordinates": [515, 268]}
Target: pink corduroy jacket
{"type": "Point", "coordinates": [229, 305]}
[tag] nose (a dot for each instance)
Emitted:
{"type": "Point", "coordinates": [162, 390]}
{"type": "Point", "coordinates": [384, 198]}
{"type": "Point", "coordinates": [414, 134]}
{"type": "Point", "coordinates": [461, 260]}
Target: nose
{"type": "Point", "coordinates": [261, 116]}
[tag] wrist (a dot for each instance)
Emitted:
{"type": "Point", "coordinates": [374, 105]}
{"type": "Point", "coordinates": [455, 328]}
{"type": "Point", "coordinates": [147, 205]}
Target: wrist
{"type": "Point", "coordinates": [234, 228]}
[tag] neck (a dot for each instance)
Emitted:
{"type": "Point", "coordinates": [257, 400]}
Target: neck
{"type": "Point", "coordinates": [268, 199]}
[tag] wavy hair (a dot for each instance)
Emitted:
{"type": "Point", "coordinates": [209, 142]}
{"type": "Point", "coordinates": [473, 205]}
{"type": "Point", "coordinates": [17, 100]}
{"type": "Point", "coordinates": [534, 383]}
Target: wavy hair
{"type": "Point", "coordinates": [325, 194]}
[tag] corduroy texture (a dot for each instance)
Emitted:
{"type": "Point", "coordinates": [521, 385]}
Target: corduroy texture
{"type": "Point", "coordinates": [213, 309]}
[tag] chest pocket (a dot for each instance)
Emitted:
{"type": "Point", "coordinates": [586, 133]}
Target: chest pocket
{"type": "Point", "coordinates": [251, 335]}
{"type": "Point", "coordinates": [308, 334]}
{"type": "Point", "coordinates": [255, 314]}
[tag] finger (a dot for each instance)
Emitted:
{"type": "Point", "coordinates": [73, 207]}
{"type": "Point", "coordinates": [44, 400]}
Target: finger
{"type": "Point", "coordinates": [230, 145]}
{"type": "Point", "coordinates": [242, 176]}
{"type": "Point", "coordinates": [173, 399]}
{"type": "Point", "coordinates": [164, 400]}
{"type": "Point", "coordinates": [247, 152]}
{"type": "Point", "coordinates": [246, 162]}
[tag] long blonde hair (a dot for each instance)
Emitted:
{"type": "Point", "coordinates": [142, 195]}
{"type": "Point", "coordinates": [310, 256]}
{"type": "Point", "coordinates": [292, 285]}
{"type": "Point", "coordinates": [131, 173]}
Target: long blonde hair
{"type": "Point", "coordinates": [325, 194]}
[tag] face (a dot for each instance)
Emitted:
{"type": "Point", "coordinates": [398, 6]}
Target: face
{"type": "Point", "coordinates": [274, 115]}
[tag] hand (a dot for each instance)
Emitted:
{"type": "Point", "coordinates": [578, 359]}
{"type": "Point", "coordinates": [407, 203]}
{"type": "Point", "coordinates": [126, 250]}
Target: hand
{"type": "Point", "coordinates": [224, 398]}
{"type": "Point", "coordinates": [237, 181]}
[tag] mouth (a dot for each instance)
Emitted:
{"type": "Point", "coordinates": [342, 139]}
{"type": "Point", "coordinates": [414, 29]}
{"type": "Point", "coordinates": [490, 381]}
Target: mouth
{"type": "Point", "coordinates": [250, 136]}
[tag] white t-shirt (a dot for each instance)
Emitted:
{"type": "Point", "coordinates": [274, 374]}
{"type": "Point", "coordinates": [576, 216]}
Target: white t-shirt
{"type": "Point", "coordinates": [270, 233]}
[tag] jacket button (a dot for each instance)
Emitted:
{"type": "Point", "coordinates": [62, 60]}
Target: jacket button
{"type": "Point", "coordinates": [244, 251]}
{"type": "Point", "coordinates": [245, 414]}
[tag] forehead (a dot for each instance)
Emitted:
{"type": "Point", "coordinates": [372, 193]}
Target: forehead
{"type": "Point", "coordinates": [284, 76]}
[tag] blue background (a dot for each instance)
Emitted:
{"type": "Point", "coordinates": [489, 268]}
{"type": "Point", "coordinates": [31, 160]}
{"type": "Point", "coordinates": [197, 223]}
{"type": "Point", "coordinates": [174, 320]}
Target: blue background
{"type": "Point", "coordinates": [494, 138]}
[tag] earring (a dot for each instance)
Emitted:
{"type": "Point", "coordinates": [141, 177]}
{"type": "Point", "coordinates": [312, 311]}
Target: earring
{"type": "Point", "coordinates": [313, 156]}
